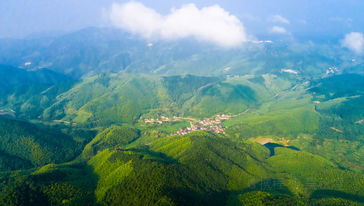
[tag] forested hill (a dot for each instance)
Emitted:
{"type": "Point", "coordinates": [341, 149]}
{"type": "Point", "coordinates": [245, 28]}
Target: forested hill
{"type": "Point", "coordinates": [94, 50]}
{"type": "Point", "coordinates": [195, 169]}
{"type": "Point", "coordinates": [55, 160]}
{"type": "Point", "coordinates": [26, 94]}
{"type": "Point", "coordinates": [25, 145]}
{"type": "Point", "coordinates": [99, 117]}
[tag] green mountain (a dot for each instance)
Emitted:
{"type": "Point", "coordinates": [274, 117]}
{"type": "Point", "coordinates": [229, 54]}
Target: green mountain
{"type": "Point", "coordinates": [198, 168]}
{"type": "Point", "coordinates": [124, 98]}
{"type": "Point", "coordinates": [94, 50]}
{"type": "Point", "coordinates": [25, 145]}
{"type": "Point", "coordinates": [98, 117]}
{"type": "Point", "coordinates": [26, 94]}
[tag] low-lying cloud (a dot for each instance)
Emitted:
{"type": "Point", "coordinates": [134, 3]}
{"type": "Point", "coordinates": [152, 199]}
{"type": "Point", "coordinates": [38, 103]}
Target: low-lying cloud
{"type": "Point", "coordinates": [209, 24]}
{"type": "Point", "coordinates": [279, 19]}
{"type": "Point", "coordinates": [278, 30]}
{"type": "Point", "coordinates": [354, 41]}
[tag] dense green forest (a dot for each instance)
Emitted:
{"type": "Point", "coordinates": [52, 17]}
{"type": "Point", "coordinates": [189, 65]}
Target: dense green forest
{"type": "Point", "coordinates": [57, 160]}
{"type": "Point", "coordinates": [100, 126]}
{"type": "Point", "coordinates": [25, 145]}
{"type": "Point", "coordinates": [194, 169]}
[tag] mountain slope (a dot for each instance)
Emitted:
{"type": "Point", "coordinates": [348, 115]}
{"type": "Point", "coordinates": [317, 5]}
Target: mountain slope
{"type": "Point", "coordinates": [123, 98]}
{"type": "Point", "coordinates": [26, 94]}
{"type": "Point", "coordinates": [195, 169]}
{"type": "Point", "coordinates": [31, 145]}
{"type": "Point", "coordinates": [95, 50]}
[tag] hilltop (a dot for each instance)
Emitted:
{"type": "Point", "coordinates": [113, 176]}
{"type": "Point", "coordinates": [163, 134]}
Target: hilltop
{"type": "Point", "coordinates": [98, 117]}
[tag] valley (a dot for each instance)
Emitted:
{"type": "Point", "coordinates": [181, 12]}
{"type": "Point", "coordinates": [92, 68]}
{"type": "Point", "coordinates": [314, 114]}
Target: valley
{"type": "Point", "coordinates": [122, 123]}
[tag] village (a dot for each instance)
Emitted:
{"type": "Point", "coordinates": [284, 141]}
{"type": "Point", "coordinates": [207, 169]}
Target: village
{"type": "Point", "coordinates": [207, 124]}
{"type": "Point", "coordinates": [161, 120]}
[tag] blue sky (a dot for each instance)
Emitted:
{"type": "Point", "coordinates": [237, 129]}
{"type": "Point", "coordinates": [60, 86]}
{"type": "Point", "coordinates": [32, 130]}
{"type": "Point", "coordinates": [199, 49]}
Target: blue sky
{"type": "Point", "coordinates": [19, 18]}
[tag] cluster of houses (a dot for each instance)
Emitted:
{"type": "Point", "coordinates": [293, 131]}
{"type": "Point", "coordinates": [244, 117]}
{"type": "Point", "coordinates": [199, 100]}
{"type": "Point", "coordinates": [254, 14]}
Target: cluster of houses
{"type": "Point", "coordinates": [212, 125]}
{"type": "Point", "coordinates": [196, 127]}
{"type": "Point", "coordinates": [160, 120]}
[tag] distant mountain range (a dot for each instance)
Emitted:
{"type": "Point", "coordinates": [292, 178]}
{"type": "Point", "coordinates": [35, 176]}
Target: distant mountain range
{"type": "Point", "coordinates": [93, 50]}
{"type": "Point", "coordinates": [75, 125]}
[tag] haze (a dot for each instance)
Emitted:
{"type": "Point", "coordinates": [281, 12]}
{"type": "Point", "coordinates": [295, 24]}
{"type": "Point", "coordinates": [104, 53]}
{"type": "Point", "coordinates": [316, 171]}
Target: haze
{"type": "Point", "coordinates": [308, 19]}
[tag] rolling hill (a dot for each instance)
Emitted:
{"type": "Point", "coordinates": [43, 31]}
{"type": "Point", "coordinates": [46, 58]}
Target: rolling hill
{"type": "Point", "coordinates": [25, 145]}
{"type": "Point", "coordinates": [95, 117]}
{"type": "Point", "coordinates": [196, 169]}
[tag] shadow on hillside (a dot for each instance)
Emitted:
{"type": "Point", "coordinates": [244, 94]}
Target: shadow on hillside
{"type": "Point", "coordinates": [184, 196]}
{"type": "Point", "coordinates": [158, 155]}
{"type": "Point", "coordinates": [73, 184]}
{"type": "Point", "coordinates": [79, 175]}
{"type": "Point", "coordinates": [274, 186]}
{"type": "Point", "coordinates": [319, 194]}
{"type": "Point", "coordinates": [280, 194]}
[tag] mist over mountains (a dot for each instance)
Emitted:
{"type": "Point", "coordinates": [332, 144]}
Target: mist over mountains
{"type": "Point", "coordinates": [93, 50]}
{"type": "Point", "coordinates": [166, 107]}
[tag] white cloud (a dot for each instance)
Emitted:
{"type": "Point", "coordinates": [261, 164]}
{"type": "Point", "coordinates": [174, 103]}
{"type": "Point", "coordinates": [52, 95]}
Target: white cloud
{"type": "Point", "coordinates": [278, 30]}
{"type": "Point", "coordinates": [136, 18]}
{"type": "Point", "coordinates": [354, 41]}
{"type": "Point", "coordinates": [209, 24]}
{"type": "Point", "coordinates": [279, 19]}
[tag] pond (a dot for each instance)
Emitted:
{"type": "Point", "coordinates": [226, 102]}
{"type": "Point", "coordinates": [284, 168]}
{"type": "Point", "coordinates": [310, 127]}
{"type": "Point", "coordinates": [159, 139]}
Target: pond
{"type": "Point", "coordinates": [271, 146]}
